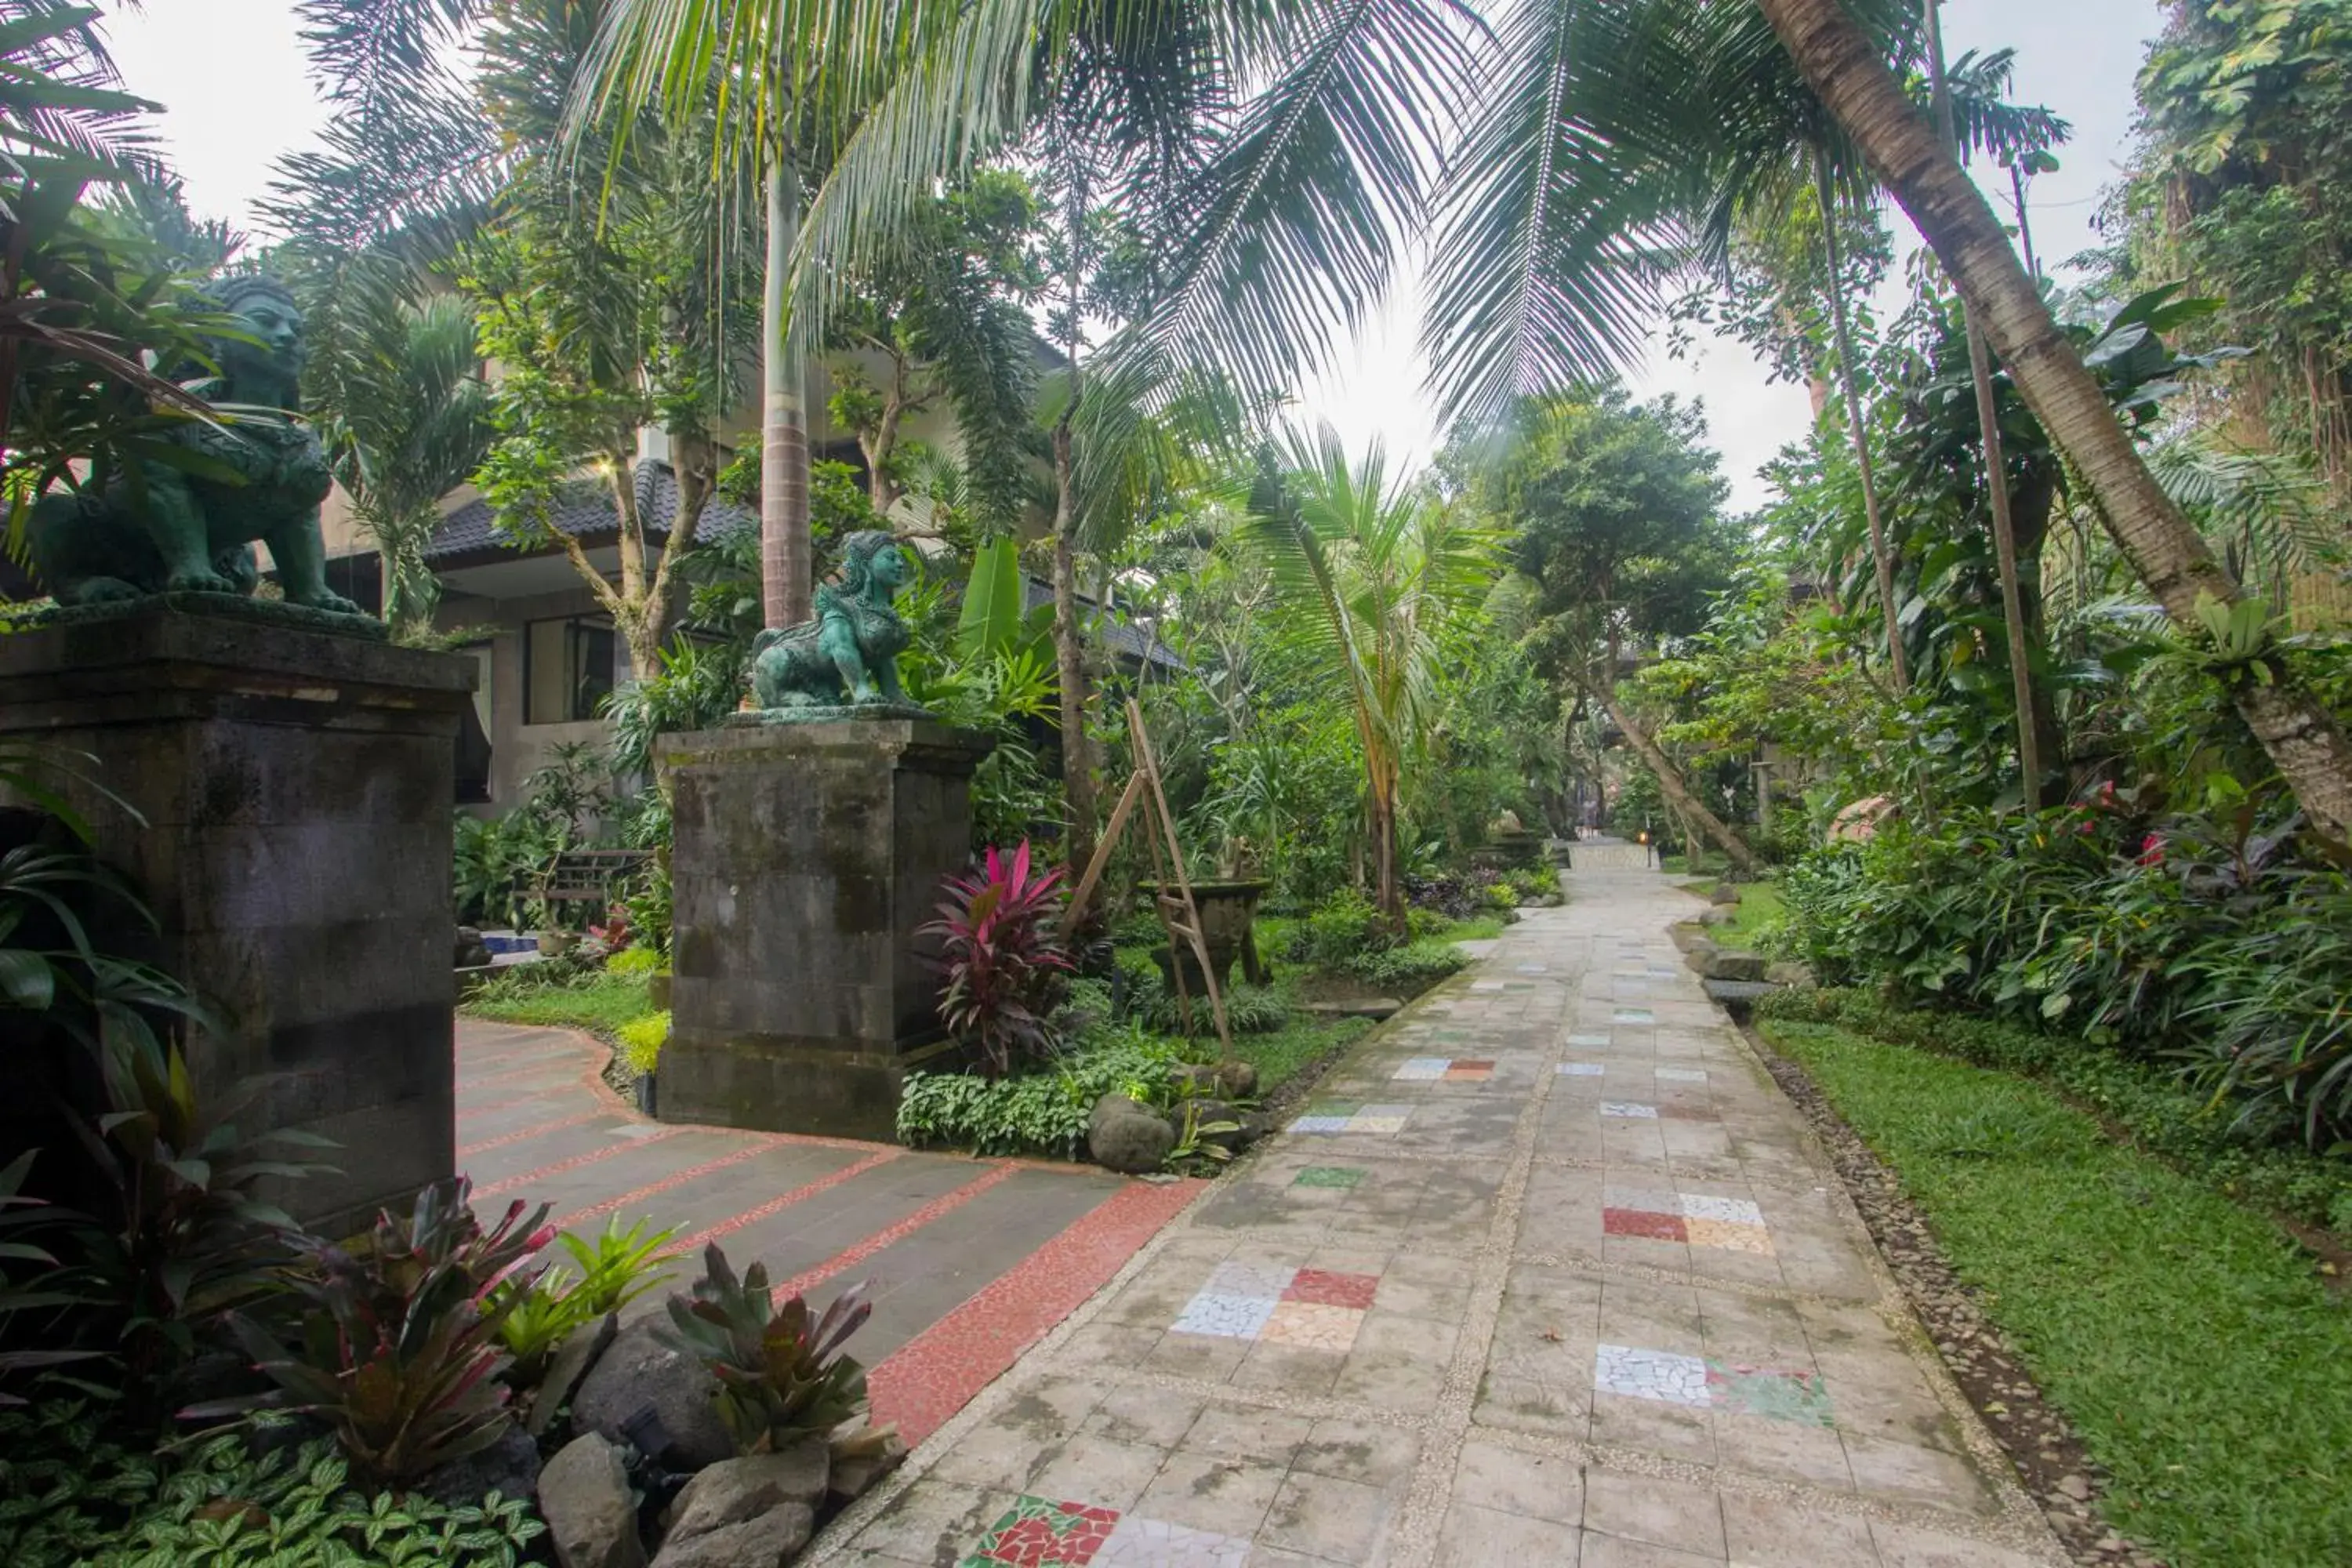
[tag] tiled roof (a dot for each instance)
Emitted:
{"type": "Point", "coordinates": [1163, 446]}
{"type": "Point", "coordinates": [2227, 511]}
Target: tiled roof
{"type": "Point", "coordinates": [585, 511]}
{"type": "Point", "coordinates": [1124, 639]}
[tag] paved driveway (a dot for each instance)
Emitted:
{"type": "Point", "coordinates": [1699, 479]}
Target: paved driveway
{"type": "Point", "coordinates": [968, 1261]}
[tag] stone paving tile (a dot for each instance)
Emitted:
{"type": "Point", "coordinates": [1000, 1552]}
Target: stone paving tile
{"type": "Point", "coordinates": [1548, 1272]}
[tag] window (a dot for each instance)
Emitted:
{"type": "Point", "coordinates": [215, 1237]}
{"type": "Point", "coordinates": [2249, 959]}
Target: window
{"type": "Point", "coordinates": [567, 670]}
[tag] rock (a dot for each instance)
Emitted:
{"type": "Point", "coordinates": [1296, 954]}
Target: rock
{"type": "Point", "coordinates": [1796, 976]}
{"type": "Point", "coordinates": [861, 1456]}
{"type": "Point", "coordinates": [1132, 1141]}
{"type": "Point", "coordinates": [1724, 893]}
{"type": "Point", "coordinates": [1697, 951]}
{"type": "Point", "coordinates": [1189, 1079]}
{"type": "Point", "coordinates": [471, 952]}
{"type": "Point", "coordinates": [757, 1510]}
{"type": "Point", "coordinates": [638, 1371]}
{"type": "Point", "coordinates": [767, 1541]}
{"type": "Point", "coordinates": [2075, 1487]}
{"type": "Point", "coordinates": [591, 1518]}
{"type": "Point", "coordinates": [1236, 1079]}
{"type": "Point", "coordinates": [509, 1467]}
{"type": "Point", "coordinates": [570, 1363]}
{"type": "Point", "coordinates": [1715, 915]}
{"type": "Point", "coordinates": [1112, 1105]}
{"type": "Point", "coordinates": [1725, 964]}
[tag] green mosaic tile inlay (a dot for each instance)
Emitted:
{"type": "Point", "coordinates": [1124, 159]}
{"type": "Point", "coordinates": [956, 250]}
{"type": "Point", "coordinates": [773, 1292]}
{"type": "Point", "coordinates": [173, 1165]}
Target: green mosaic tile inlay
{"type": "Point", "coordinates": [1329, 1177]}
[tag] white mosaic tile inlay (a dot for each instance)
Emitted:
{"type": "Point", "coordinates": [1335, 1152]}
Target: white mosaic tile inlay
{"type": "Point", "coordinates": [1422, 1069]}
{"type": "Point", "coordinates": [1582, 1069]}
{"type": "Point", "coordinates": [1630, 1111]}
{"type": "Point", "coordinates": [1651, 1374]}
{"type": "Point", "coordinates": [1682, 1075]}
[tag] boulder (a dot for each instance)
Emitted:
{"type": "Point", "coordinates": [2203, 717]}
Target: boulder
{"type": "Point", "coordinates": [1724, 893]}
{"type": "Point", "coordinates": [509, 1467]}
{"type": "Point", "coordinates": [471, 952]}
{"type": "Point", "coordinates": [1715, 915]}
{"type": "Point", "coordinates": [570, 1363]}
{"type": "Point", "coordinates": [1126, 1137]}
{"type": "Point", "coordinates": [1236, 1079]}
{"type": "Point", "coordinates": [1724, 965]}
{"type": "Point", "coordinates": [757, 1510]}
{"type": "Point", "coordinates": [1698, 951]}
{"type": "Point", "coordinates": [1796, 976]}
{"type": "Point", "coordinates": [591, 1518]}
{"type": "Point", "coordinates": [640, 1372]}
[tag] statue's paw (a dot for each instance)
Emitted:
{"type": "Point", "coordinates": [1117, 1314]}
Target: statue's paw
{"type": "Point", "coordinates": [334, 603]}
{"type": "Point", "coordinates": [202, 580]}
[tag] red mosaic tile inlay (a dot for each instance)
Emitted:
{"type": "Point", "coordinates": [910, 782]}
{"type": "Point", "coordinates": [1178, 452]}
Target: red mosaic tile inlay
{"type": "Point", "coordinates": [1644, 1223]}
{"type": "Point", "coordinates": [936, 1374]}
{"type": "Point", "coordinates": [1333, 1290]}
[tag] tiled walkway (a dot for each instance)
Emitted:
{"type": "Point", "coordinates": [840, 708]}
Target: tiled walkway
{"type": "Point", "coordinates": [1551, 1275]}
{"type": "Point", "coordinates": [968, 1261]}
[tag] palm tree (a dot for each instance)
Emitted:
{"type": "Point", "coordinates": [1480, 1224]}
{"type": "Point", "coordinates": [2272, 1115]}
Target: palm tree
{"type": "Point", "coordinates": [405, 415]}
{"type": "Point", "coordinates": [1369, 576]}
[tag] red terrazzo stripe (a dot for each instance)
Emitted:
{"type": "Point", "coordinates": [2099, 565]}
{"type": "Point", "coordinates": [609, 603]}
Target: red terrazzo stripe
{"type": "Point", "coordinates": [775, 1206]}
{"type": "Point", "coordinates": [554, 1067]}
{"type": "Point", "coordinates": [619, 1146]}
{"type": "Point", "coordinates": [938, 1207]}
{"type": "Point", "coordinates": [468, 1151]}
{"type": "Point", "coordinates": [679, 1179]}
{"type": "Point", "coordinates": [936, 1374]}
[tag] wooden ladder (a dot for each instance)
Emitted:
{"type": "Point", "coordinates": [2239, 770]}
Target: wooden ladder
{"type": "Point", "coordinates": [1180, 915]}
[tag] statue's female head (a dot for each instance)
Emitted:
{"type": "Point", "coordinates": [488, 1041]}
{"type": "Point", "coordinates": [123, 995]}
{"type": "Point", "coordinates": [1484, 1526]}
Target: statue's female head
{"type": "Point", "coordinates": [869, 556]}
{"type": "Point", "coordinates": [270, 369]}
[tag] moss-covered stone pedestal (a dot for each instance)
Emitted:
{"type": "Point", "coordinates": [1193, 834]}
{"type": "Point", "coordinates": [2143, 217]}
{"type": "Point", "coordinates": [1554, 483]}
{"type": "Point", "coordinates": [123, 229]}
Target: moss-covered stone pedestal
{"type": "Point", "coordinates": [804, 856]}
{"type": "Point", "coordinates": [295, 773]}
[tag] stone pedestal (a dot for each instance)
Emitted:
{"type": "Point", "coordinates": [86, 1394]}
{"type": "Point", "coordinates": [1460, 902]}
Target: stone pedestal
{"type": "Point", "coordinates": [296, 787]}
{"type": "Point", "coordinates": [804, 857]}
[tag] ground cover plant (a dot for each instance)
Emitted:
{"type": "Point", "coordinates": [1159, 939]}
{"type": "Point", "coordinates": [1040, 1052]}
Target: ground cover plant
{"type": "Point", "coordinates": [2204, 1365]}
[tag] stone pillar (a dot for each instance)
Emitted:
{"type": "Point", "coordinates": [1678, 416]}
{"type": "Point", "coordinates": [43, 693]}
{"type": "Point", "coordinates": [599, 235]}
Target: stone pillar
{"type": "Point", "coordinates": [296, 787]}
{"type": "Point", "coordinates": [804, 857]}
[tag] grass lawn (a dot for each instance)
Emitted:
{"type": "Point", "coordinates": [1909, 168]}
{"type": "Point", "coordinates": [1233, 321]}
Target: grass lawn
{"type": "Point", "coordinates": [2196, 1354]}
{"type": "Point", "coordinates": [1759, 906]}
{"type": "Point", "coordinates": [596, 1002]}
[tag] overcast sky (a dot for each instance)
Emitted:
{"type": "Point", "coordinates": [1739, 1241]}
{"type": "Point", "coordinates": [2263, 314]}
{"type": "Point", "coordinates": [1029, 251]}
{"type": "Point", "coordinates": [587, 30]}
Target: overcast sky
{"type": "Point", "coordinates": [230, 74]}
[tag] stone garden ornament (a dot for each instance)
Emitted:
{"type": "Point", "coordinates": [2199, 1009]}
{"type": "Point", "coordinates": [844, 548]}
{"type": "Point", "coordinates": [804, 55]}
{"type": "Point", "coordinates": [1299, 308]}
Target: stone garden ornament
{"type": "Point", "coordinates": [170, 530]}
{"type": "Point", "coordinates": [843, 663]}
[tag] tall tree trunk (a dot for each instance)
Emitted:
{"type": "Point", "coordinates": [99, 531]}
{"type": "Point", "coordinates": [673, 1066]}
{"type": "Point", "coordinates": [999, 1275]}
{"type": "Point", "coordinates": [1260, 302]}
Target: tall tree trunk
{"type": "Point", "coordinates": [2303, 738]}
{"type": "Point", "coordinates": [1678, 795]}
{"type": "Point", "coordinates": [2004, 528]}
{"type": "Point", "coordinates": [1069, 655]}
{"type": "Point", "coordinates": [1386, 891]}
{"type": "Point", "coordinates": [1882, 559]}
{"type": "Point", "coordinates": [787, 563]}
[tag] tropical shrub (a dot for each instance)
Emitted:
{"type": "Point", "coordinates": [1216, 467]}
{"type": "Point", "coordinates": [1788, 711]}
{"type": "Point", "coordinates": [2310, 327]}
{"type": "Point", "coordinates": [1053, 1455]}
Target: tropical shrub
{"type": "Point", "coordinates": [1005, 972]}
{"type": "Point", "coordinates": [397, 1348]}
{"type": "Point", "coordinates": [2222, 953]}
{"type": "Point", "coordinates": [540, 1311]}
{"type": "Point", "coordinates": [642, 1040]}
{"type": "Point", "coordinates": [68, 1495]}
{"type": "Point", "coordinates": [1042, 1112]}
{"type": "Point", "coordinates": [781, 1374]}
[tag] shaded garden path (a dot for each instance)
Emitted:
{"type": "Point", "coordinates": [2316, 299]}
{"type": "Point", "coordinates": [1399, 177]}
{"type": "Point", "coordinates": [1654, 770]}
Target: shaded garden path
{"type": "Point", "coordinates": [970, 1261]}
{"type": "Point", "coordinates": [1552, 1274]}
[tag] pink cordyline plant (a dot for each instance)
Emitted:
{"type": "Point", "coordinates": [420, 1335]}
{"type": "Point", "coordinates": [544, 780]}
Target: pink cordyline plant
{"type": "Point", "coordinates": [1003, 966]}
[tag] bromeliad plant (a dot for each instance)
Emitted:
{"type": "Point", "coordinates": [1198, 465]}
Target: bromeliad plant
{"type": "Point", "coordinates": [539, 1313]}
{"type": "Point", "coordinates": [1005, 973]}
{"type": "Point", "coordinates": [399, 1350]}
{"type": "Point", "coordinates": [781, 1375]}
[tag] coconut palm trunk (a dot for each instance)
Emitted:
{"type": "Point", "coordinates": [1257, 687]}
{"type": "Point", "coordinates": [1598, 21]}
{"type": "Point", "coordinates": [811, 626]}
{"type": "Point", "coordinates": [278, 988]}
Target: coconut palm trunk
{"type": "Point", "coordinates": [787, 563]}
{"type": "Point", "coordinates": [1678, 795]}
{"type": "Point", "coordinates": [1882, 558]}
{"type": "Point", "coordinates": [1837, 57]}
{"type": "Point", "coordinates": [1069, 649]}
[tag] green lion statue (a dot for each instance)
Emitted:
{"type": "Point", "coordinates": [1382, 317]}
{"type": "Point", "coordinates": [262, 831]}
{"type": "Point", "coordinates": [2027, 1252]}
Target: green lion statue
{"type": "Point", "coordinates": [849, 654]}
{"type": "Point", "coordinates": [188, 534]}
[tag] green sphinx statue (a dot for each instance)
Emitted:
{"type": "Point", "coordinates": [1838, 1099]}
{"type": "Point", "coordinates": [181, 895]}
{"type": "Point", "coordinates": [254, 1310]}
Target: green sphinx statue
{"type": "Point", "coordinates": [848, 658]}
{"type": "Point", "coordinates": [179, 532]}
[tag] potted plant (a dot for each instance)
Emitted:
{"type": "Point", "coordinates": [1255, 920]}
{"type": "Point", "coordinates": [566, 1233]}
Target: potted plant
{"type": "Point", "coordinates": [1228, 907]}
